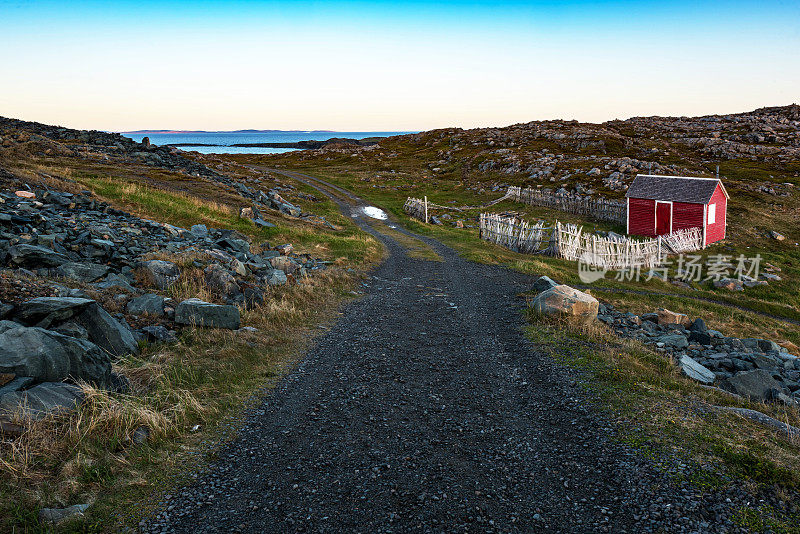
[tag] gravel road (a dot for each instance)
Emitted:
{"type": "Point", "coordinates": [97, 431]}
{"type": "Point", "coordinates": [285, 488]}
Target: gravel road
{"type": "Point", "coordinates": [425, 409]}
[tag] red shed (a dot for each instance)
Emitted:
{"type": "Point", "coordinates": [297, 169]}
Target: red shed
{"type": "Point", "coordinates": [659, 205]}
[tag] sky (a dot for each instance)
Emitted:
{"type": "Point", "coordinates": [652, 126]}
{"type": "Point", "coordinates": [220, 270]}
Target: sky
{"type": "Point", "coordinates": [357, 65]}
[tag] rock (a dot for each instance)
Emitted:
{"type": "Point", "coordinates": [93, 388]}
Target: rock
{"type": "Point", "coordinates": [543, 283]}
{"type": "Point", "coordinates": [763, 345]}
{"type": "Point", "coordinates": [72, 329]}
{"type": "Point", "coordinates": [666, 317]}
{"type": "Point", "coordinates": [149, 303]}
{"type": "Point", "coordinates": [284, 263]}
{"type": "Point", "coordinates": [49, 310]}
{"type": "Point", "coordinates": [48, 356]}
{"type": "Point", "coordinates": [221, 281]}
{"type": "Point", "coordinates": [729, 283]}
{"type": "Point", "coordinates": [25, 194]}
{"type": "Point", "coordinates": [108, 333]}
{"type": "Point", "coordinates": [775, 235]}
{"type": "Point", "coordinates": [788, 345]}
{"type": "Point", "coordinates": [699, 325]}
{"type": "Point", "coordinates": [564, 300]}
{"type": "Point", "coordinates": [196, 312]}
{"type": "Point", "coordinates": [57, 515]}
{"type": "Point", "coordinates": [284, 250]}
{"type": "Point", "coordinates": [276, 277]}
{"type": "Point", "coordinates": [695, 371]}
{"type": "Point", "coordinates": [159, 333]}
{"type": "Point", "coordinates": [16, 383]}
{"type": "Point", "coordinates": [82, 272]}
{"type": "Point", "coordinates": [5, 309]}
{"type": "Point", "coordinates": [42, 400]}
{"type": "Point", "coordinates": [676, 341]}
{"type": "Point", "coordinates": [754, 384]}
{"type": "Point", "coordinates": [7, 325]}
{"type": "Point", "coordinates": [703, 338]}
{"type": "Point", "coordinates": [161, 274]}
{"type": "Point", "coordinates": [35, 256]}
{"type": "Point", "coordinates": [246, 213]}
{"type": "Point", "coordinates": [117, 281]}
{"type": "Point", "coordinates": [199, 230]}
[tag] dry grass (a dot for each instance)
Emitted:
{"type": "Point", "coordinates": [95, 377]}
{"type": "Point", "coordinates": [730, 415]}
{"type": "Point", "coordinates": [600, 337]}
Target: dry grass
{"type": "Point", "coordinates": [79, 457]}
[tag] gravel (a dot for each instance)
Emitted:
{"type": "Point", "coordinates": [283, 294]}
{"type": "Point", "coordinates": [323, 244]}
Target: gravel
{"type": "Point", "coordinates": [424, 408]}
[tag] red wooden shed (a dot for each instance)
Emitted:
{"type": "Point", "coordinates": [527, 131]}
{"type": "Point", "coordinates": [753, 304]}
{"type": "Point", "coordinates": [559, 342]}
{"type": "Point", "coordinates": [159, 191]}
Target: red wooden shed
{"type": "Point", "coordinates": [659, 205]}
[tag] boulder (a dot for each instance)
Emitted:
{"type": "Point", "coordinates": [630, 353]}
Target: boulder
{"type": "Point", "coordinates": [82, 272]}
{"type": "Point", "coordinates": [161, 274]}
{"type": "Point", "coordinates": [48, 310]}
{"type": "Point", "coordinates": [566, 301]}
{"type": "Point", "coordinates": [703, 338]}
{"type": "Point", "coordinates": [221, 281]}
{"type": "Point", "coordinates": [42, 400]}
{"type": "Point", "coordinates": [35, 256]}
{"type": "Point", "coordinates": [543, 283]}
{"type": "Point", "coordinates": [108, 333]}
{"type": "Point", "coordinates": [699, 325]}
{"type": "Point", "coordinates": [199, 230]}
{"type": "Point", "coordinates": [763, 345]}
{"type": "Point", "coordinates": [196, 312]}
{"type": "Point", "coordinates": [116, 281]}
{"type": "Point", "coordinates": [756, 384]}
{"type": "Point", "coordinates": [5, 309]}
{"type": "Point", "coordinates": [57, 515]}
{"type": "Point", "coordinates": [276, 278]}
{"type": "Point", "coordinates": [149, 303]}
{"type": "Point", "coordinates": [666, 317]}
{"type": "Point", "coordinates": [696, 371]}
{"type": "Point", "coordinates": [49, 356]}
{"type": "Point", "coordinates": [729, 283]}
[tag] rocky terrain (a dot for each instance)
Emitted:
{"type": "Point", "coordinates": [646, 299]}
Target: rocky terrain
{"type": "Point", "coordinates": [71, 253]}
{"type": "Point", "coordinates": [586, 158]}
{"type": "Point", "coordinates": [758, 369]}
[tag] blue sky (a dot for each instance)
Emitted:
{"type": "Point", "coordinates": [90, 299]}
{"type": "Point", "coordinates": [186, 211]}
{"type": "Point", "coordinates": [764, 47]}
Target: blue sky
{"type": "Point", "coordinates": [357, 65]}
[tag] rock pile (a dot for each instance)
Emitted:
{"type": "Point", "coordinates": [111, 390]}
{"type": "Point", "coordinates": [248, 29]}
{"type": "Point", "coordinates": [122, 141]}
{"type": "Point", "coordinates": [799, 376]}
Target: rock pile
{"type": "Point", "coordinates": [759, 369]}
{"type": "Point", "coordinates": [51, 341]}
{"type": "Point", "coordinates": [756, 368]}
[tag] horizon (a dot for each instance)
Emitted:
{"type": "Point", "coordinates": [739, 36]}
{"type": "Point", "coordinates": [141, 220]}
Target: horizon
{"type": "Point", "coordinates": [357, 66]}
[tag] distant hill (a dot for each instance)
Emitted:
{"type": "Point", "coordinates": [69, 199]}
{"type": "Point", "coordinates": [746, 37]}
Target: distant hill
{"type": "Point", "coordinates": [146, 132]}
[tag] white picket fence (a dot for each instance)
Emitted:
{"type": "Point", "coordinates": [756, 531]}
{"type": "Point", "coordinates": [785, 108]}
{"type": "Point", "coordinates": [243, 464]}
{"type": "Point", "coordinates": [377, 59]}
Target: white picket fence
{"type": "Point", "coordinates": [569, 241]}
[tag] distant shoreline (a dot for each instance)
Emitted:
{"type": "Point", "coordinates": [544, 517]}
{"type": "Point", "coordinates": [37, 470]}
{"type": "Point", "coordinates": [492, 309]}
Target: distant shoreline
{"type": "Point", "coordinates": [311, 144]}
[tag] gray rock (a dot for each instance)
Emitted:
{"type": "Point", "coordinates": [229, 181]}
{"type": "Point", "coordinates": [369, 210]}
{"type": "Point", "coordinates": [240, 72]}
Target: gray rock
{"type": "Point", "coordinates": [108, 333]}
{"type": "Point", "coordinates": [699, 325]}
{"type": "Point", "coordinates": [543, 283]}
{"type": "Point", "coordinates": [159, 333]}
{"type": "Point", "coordinates": [72, 329]}
{"type": "Point", "coordinates": [755, 384]}
{"type": "Point", "coordinates": [199, 230]}
{"type": "Point", "coordinates": [703, 338]}
{"type": "Point", "coordinates": [149, 303]}
{"type": "Point", "coordinates": [16, 384]}
{"type": "Point", "coordinates": [49, 356]}
{"type": "Point", "coordinates": [199, 313]}
{"type": "Point", "coordinates": [49, 310]}
{"type": "Point", "coordinates": [220, 280]}
{"type": "Point", "coordinates": [5, 309]}
{"type": "Point", "coordinates": [695, 371]}
{"type": "Point", "coordinates": [42, 400]}
{"type": "Point", "coordinates": [57, 515]}
{"type": "Point", "coordinates": [760, 344]}
{"type": "Point", "coordinates": [276, 278]}
{"type": "Point", "coordinates": [35, 256]}
{"type": "Point", "coordinates": [83, 272]}
{"type": "Point", "coordinates": [676, 341]}
{"type": "Point", "coordinates": [7, 325]}
{"type": "Point", "coordinates": [116, 281]}
{"type": "Point", "coordinates": [162, 274]}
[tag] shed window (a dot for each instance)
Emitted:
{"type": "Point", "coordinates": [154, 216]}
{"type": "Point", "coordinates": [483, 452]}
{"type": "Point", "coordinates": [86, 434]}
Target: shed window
{"type": "Point", "coordinates": [712, 213]}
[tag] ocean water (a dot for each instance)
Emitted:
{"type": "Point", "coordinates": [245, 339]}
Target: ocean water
{"type": "Point", "coordinates": [225, 139]}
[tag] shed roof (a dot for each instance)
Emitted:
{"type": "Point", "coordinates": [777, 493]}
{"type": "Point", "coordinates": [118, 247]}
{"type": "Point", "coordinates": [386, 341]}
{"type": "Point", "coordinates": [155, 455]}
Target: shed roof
{"type": "Point", "coordinates": [674, 188]}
